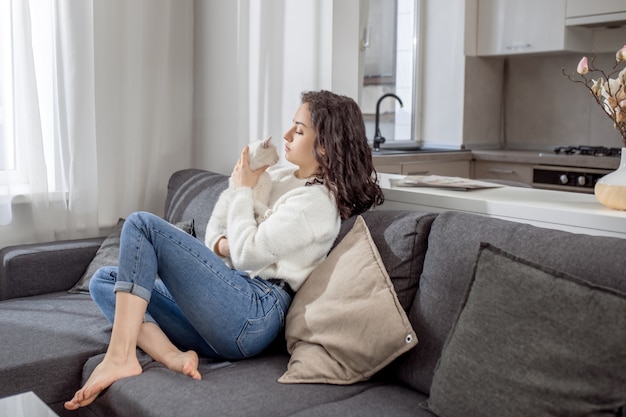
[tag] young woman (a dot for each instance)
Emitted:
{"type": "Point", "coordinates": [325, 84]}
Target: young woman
{"type": "Point", "coordinates": [201, 305]}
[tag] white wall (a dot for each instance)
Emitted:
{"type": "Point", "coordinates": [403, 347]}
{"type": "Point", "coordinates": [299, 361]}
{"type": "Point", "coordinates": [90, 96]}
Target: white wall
{"type": "Point", "coordinates": [443, 73]}
{"type": "Point", "coordinates": [143, 120]}
{"type": "Point", "coordinates": [217, 112]}
{"type": "Point", "coordinates": [345, 48]}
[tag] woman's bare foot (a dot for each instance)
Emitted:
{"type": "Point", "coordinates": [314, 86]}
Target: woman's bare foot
{"type": "Point", "coordinates": [158, 346]}
{"type": "Point", "coordinates": [103, 376]}
{"type": "Point", "coordinates": [184, 362]}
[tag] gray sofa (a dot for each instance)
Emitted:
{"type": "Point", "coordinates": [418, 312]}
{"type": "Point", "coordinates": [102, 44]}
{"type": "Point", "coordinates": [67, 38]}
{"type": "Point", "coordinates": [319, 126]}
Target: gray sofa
{"type": "Point", "coordinates": [508, 317]}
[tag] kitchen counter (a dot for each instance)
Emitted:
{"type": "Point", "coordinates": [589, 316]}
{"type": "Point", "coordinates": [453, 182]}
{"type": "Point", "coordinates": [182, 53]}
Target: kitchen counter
{"type": "Point", "coordinates": [573, 212]}
{"type": "Point", "coordinates": [547, 158]}
{"type": "Point", "coordinates": [447, 156]}
{"type": "Point", "coordinates": [520, 157]}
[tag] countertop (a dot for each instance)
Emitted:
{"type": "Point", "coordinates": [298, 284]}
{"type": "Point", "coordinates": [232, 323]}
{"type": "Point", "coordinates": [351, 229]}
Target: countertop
{"type": "Point", "coordinates": [573, 212]}
{"type": "Point", "coordinates": [520, 157]}
{"type": "Point", "coordinates": [447, 156]}
{"type": "Point", "coordinates": [547, 158]}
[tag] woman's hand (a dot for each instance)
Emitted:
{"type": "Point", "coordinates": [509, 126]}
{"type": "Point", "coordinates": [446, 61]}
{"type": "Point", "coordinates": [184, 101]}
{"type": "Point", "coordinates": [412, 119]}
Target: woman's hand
{"type": "Point", "coordinates": [222, 248]}
{"type": "Point", "coordinates": [242, 175]}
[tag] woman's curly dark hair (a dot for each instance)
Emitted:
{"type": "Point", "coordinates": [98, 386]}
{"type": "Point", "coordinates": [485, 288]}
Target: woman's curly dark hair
{"type": "Point", "coordinates": [341, 149]}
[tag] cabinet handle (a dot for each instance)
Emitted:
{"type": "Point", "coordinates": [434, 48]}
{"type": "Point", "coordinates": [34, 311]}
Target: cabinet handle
{"type": "Point", "coordinates": [501, 171]}
{"type": "Point", "coordinates": [418, 173]}
{"type": "Point", "coordinates": [365, 41]}
{"type": "Point", "coordinates": [517, 46]}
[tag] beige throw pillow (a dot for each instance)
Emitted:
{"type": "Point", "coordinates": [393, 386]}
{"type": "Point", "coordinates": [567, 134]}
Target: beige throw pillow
{"type": "Point", "coordinates": [345, 322]}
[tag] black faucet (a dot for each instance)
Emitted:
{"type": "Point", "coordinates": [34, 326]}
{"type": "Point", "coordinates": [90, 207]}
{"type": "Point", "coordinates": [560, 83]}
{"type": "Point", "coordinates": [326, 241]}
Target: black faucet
{"type": "Point", "coordinates": [378, 138]}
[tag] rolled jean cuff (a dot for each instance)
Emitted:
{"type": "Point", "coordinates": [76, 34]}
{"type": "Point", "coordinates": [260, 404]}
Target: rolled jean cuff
{"type": "Point", "coordinates": [147, 318]}
{"type": "Point", "coordinates": [132, 288]}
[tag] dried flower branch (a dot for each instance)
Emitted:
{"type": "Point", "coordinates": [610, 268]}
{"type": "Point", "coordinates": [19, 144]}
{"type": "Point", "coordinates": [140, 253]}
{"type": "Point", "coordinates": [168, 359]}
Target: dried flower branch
{"type": "Point", "coordinates": [609, 93]}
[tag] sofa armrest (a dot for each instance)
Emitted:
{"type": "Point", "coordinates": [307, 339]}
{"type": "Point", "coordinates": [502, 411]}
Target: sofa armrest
{"type": "Point", "coordinates": [42, 268]}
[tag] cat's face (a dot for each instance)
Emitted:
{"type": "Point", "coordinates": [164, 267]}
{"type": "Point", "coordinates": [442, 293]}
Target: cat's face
{"type": "Point", "coordinates": [261, 153]}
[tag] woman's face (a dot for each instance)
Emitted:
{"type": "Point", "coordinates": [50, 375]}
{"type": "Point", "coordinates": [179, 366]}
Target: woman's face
{"type": "Point", "coordinates": [300, 141]}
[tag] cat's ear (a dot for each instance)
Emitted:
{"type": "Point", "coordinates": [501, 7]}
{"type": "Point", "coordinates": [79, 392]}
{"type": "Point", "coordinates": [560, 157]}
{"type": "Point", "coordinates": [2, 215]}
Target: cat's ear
{"type": "Point", "coordinates": [266, 142]}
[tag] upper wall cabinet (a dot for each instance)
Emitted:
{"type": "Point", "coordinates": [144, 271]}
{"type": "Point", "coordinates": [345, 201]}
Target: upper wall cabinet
{"type": "Point", "coordinates": [596, 13]}
{"type": "Point", "coordinates": [511, 27]}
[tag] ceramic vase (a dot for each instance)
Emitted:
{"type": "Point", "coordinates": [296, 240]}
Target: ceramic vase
{"type": "Point", "coordinates": [610, 190]}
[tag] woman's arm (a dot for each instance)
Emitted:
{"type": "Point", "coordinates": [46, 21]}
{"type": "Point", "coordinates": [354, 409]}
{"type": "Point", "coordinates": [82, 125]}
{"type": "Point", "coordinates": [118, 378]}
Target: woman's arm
{"type": "Point", "coordinates": [302, 219]}
{"type": "Point", "coordinates": [242, 176]}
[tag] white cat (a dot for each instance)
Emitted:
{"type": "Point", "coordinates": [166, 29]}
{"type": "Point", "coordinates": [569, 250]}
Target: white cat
{"type": "Point", "coordinates": [260, 153]}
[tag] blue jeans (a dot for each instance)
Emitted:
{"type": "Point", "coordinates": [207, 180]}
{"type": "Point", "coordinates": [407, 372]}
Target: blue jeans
{"type": "Point", "coordinates": [199, 302]}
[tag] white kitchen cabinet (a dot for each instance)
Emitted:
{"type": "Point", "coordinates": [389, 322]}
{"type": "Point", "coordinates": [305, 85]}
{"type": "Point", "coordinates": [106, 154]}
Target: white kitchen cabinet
{"type": "Point", "coordinates": [510, 27]}
{"type": "Point", "coordinates": [506, 171]}
{"type": "Point", "coordinates": [448, 168]}
{"type": "Point", "coordinates": [453, 164]}
{"type": "Point", "coordinates": [595, 13]}
{"type": "Point", "coordinates": [388, 168]}
{"type": "Point", "coordinates": [451, 169]}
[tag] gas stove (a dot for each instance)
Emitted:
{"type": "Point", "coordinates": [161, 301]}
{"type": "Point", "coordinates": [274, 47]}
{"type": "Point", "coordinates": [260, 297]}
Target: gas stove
{"type": "Point", "coordinates": [588, 150]}
{"type": "Point", "coordinates": [573, 178]}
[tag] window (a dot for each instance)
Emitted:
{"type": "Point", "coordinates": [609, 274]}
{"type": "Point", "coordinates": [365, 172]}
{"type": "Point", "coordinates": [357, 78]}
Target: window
{"type": "Point", "coordinates": [21, 52]}
{"type": "Point", "coordinates": [7, 141]}
{"type": "Point", "coordinates": [390, 45]}
{"type": "Point", "coordinates": [26, 74]}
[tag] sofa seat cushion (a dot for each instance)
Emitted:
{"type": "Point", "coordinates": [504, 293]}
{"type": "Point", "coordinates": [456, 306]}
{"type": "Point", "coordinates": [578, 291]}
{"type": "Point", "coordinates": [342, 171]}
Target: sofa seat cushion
{"type": "Point", "coordinates": [377, 401]}
{"type": "Point", "coordinates": [536, 341]}
{"type": "Point", "coordinates": [45, 342]}
{"type": "Point", "coordinates": [239, 389]}
{"type": "Point", "coordinates": [453, 247]}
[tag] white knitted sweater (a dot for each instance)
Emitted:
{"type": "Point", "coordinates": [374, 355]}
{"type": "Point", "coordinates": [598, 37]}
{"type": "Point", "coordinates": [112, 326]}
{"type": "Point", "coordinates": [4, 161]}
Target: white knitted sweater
{"type": "Point", "coordinates": [293, 240]}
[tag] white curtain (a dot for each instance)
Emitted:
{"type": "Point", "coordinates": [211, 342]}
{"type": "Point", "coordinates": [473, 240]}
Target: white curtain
{"type": "Point", "coordinates": [129, 63]}
{"type": "Point", "coordinates": [49, 114]}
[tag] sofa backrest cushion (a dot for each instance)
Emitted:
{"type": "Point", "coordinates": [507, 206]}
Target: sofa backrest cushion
{"type": "Point", "coordinates": [42, 268]}
{"type": "Point", "coordinates": [191, 195]}
{"type": "Point", "coordinates": [401, 238]}
{"type": "Point", "coordinates": [453, 248]}
{"type": "Point", "coordinates": [553, 340]}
